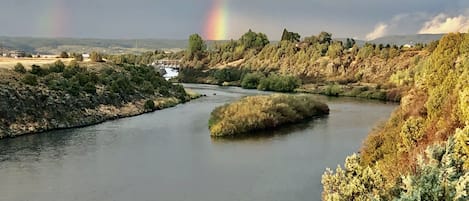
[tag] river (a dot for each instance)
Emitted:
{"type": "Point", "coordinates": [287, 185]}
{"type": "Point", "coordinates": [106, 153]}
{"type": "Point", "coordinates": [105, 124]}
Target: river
{"type": "Point", "coordinates": [168, 155]}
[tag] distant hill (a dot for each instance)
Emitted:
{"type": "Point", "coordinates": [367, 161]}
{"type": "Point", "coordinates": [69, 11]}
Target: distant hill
{"type": "Point", "coordinates": [118, 46]}
{"type": "Point", "coordinates": [56, 45]}
{"type": "Point", "coordinates": [407, 39]}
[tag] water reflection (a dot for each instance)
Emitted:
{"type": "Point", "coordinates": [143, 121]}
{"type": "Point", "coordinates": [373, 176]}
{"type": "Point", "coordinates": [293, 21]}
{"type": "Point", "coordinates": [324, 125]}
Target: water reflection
{"type": "Point", "coordinates": [169, 155]}
{"type": "Point", "coordinates": [278, 133]}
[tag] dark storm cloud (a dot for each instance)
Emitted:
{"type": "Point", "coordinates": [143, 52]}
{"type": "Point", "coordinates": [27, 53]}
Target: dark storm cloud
{"type": "Point", "coordinates": [179, 18]}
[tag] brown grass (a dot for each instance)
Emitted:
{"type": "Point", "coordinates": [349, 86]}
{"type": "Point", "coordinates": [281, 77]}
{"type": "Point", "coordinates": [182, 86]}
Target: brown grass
{"type": "Point", "coordinates": [9, 63]}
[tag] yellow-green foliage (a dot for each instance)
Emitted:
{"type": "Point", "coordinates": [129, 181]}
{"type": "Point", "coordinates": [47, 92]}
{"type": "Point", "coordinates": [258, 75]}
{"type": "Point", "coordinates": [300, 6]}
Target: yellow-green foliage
{"type": "Point", "coordinates": [355, 182]}
{"type": "Point", "coordinates": [462, 145]}
{"type": "Point", "coordinates": [412, 131]}
{"type": "Point", "coordinates": [464, 104]}
{"type": "Point", "coordinates": [263, 112]}
{"type": "Point", "coordinates": [436, 111]}
{"type": "Point", "coordinates": [402, 77]}
{"type": "Point", "coordinates": [439, 175]}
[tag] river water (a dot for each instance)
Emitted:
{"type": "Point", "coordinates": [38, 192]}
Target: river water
{"type": "Point", "coordinates": [168, 155]}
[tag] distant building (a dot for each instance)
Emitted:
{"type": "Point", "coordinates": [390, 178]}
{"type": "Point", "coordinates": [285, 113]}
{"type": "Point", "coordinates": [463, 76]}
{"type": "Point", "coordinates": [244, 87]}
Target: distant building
{"type": "Point", "coordinates": [408, 46]}
{"type": "Point", "coordinates": [86, 56]}
{"type": "Point", "coordinates": [17, 54]}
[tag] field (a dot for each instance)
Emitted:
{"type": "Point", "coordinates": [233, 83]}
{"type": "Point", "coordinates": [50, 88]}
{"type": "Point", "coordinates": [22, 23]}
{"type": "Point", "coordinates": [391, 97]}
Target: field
{"type": "Point", "coordinates": [9, 63]}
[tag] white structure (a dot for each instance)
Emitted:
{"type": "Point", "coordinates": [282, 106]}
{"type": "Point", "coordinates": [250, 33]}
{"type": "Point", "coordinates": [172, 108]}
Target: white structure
{"type": "Point", "coordinates": [408, 46]}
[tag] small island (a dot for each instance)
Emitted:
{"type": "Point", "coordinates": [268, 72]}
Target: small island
{"type": "Point", "coordinates": [263, 112]}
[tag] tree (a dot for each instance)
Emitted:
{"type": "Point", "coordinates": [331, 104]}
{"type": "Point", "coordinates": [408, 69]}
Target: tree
{"type": "Point", "coordinates": [325, 38]}
{"type": "Point", "coordinates": [96, 57]}
{"type": "Point", "coordinates": [20, 68]}
{"type": "Point", "coordinates": [290, 36]}
{"type": "Point", "coordinates": [254, 40]}
{"type": "Point", "coordinates": [63, 54]}
{"type": "Point", "coordinates": [335, 50]}
{"type": "Point", "coordinates": [196, 46]}
{"type": "Point", "coordinates": [349, 43]}
{"type": "Point", "coordinates": [78, 57]}
{"type": "Point", "coordinates": [57, 67]}
{"type": "Point", "coordinates": [30, 79]}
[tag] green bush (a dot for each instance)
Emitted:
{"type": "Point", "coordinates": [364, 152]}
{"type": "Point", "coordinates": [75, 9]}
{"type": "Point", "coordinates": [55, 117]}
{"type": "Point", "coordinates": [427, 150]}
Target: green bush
{"type": "Point", "coordinates": [227, 75]}
{"type": "Point", "coordinates": [63, 55]}
{"type": "Point", "coordinates": [57, 67]}
{"type": "Point", "coordinates": [89, 88]}
{"type": "Point", "coordinates": [149, 105]}
{"type": "Point", "coordinates": [332, 90]}
{"type": "Point", "coordinates": [279, 83]}
{"type": "Point", "coordinates": [20, 68]}
{"type": "Point", "coordinates": [252, 80]}
{"type": "Point", "coordinates": [37, 70]}
{"type": "Point", "coordinates": [30, 79]}
{"type": "Point", "coordinates": [73, 88]}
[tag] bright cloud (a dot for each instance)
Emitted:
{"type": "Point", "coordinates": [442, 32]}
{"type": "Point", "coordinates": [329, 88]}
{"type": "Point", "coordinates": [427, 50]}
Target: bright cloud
{"type": "Point", "coordinates": [380, 30]}
{"type": "Point", "coordinates": [443, 23]}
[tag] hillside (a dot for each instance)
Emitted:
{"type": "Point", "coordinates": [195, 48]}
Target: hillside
{"type": "Point", "coordinates": [110, 46]}
{"type": "Point", "coordinates": [421, 152]}
{"type": "Point", "coordinates": [407, 39]}
{"type": "Point", "coordinates": [323, 66]}
{"type": "Point", "coordinates": [55, 96]}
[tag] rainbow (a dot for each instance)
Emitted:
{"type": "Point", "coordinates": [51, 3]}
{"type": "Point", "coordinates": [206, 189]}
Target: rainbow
{"type": "Point", "coordinates": [216, 26]}
{"type": "Point", "coordinates": [53, 22]}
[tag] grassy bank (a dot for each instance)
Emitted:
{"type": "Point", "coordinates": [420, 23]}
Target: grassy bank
{"type": "Point", "coordinates": [358, 90]}
{"type": "Point", "coordinates": [263, 112]}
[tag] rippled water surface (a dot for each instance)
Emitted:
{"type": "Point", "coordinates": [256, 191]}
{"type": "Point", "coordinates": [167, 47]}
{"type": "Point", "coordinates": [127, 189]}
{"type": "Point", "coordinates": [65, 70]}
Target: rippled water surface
{"type": "Point", "coordinates": [168, 155]}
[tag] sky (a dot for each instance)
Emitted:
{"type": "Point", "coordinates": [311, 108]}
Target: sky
{"type": "Point", "coordinates": [177, 19]}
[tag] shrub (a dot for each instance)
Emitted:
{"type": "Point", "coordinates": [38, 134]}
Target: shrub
{"type": "Point", "coordinates": [149, 105]}
{"type": "Point", "coordinates": [280, 83]}
{"type": "Point", "coordinates": [354, 182]}
{"type": "Point", "coordinates": [263, 112]}
{"type": "Point", "coordinates": [20, 68]}
{"type": "Point", "coordinates": [89, 88]}
{"type": "Point", "coordinates": [37, 70]}
{"type": "Point", "coordinates": [57, 67]}
{"type": "Point", "coordinates": [252, 80]}
{"type": "Point", "coordinates": [332, 90]}
{"type": "Point", "coordinates": [227, 75]}
{"type": "Point", "coordinates": [73, 88]}
{"type": "Point", "coordinates": [96, 57]}
{"type": "Point", "coordinates": [30, 79]}
{"type": "Point", "coordinates": [63, 55]}
{"type": "Point", "coordinates": [78, 57]}
{"type": "Point", "coordinates": [411, 132]}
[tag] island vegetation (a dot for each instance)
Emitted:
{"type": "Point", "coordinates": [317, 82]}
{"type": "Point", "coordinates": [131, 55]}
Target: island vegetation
{"type": "Point", "coordinates": [255, 113]}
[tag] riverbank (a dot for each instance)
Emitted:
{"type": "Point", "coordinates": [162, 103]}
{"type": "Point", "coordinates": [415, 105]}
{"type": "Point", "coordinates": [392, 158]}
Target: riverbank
{"type": "Point", "coordinates": [58, 97]}
{"type": "Point", "coordinates": [355, 90]}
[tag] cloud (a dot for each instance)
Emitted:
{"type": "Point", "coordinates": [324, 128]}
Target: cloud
{"type": "Point", "coordinates": [380, 30]}
{"type": "Point", "coordinates": [443, 23]}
